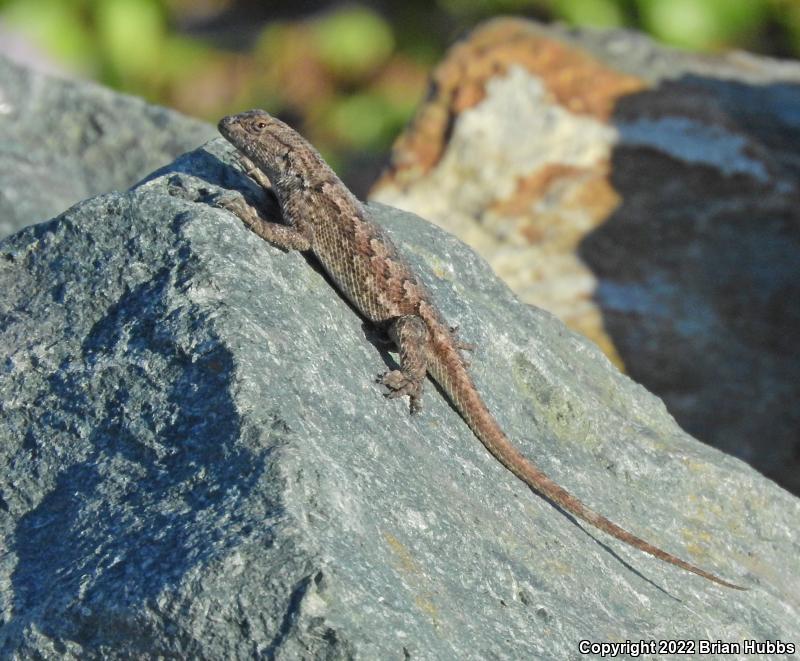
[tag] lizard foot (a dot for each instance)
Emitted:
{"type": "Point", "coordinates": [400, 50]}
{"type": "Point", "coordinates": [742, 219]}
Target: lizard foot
{"type": "Point", "coordinates": [232, 201]}
{"type": "Point", "coordinates": [252, 171]}
{"type": "Point", "coordinates": [463, 346]}
{"type": "Point", "coordinates": [399, 385]}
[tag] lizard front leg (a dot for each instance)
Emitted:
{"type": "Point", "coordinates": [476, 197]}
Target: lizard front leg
{"type": "Point", "coordinates": [252, 171]}
{"type": "Point", "coordinates": [287, 237]}
{"type": "Point", "coordinates": [410, 334]}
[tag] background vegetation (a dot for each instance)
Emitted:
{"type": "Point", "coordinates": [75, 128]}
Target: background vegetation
{"type": "Point", "coordinates": [348, 75]}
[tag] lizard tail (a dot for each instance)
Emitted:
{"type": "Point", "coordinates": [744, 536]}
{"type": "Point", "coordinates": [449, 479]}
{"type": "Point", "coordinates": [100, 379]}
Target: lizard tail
{"type": "Point", "coordinates": [447, 368]}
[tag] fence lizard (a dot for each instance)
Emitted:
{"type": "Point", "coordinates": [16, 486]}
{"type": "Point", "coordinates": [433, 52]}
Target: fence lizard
{"type": "Point", "coordinates": [322, 216]}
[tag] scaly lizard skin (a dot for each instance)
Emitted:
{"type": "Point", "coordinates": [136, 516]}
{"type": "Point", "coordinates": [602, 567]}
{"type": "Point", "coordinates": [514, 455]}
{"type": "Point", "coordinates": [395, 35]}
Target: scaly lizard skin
{"type": "Point", "coordinates": [322, 216]}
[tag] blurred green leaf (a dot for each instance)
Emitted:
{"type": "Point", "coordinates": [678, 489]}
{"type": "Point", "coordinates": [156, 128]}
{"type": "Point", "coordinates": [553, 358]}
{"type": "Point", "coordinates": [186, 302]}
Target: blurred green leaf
{"type": "Point", "coordinates": [182, 55]}
{"type": "Point", "coordinates": [272, 41]}
{"type": "Point", "coordinates": [132, 35]}
{"type": "Point", "coordinates": [361, 120]}
{"type": "Point", "coordinates": [56, 27]}
{"type": "Point", "coordinates": [353, 41]}
{"type": "Point", "coordinates": [597, 13]}
{"type": "Point", "coordinates": [787, 14]}
{"type": "Point", "coordinates": [701, 23]}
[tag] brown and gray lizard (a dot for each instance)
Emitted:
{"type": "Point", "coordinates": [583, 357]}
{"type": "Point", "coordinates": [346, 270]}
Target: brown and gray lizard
{"type": "Point", "coordinates": [322, 216]}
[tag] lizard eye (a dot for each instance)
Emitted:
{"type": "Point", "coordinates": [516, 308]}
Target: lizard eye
{"type": "Point", "coordinates": [260, 125]}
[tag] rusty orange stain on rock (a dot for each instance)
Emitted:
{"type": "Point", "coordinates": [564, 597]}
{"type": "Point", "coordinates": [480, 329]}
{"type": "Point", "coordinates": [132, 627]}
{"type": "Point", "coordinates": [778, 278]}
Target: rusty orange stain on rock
{"type": "Point", "coordinates": [576, 80]}
{"type": "Point", "coordinates": [532, 187]}
{"type": "Point", "coordinates": [597, 197]}
{"type": "Point", "coordinates": [586, 190]}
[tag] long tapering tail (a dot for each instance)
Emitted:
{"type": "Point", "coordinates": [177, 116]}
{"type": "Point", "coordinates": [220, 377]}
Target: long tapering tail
{"type": "Point", "coordinates": [447, 368]}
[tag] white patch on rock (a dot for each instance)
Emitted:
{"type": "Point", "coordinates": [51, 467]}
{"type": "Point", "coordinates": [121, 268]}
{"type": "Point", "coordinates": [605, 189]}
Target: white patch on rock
{"type": "Point", "coordinates": [518, 128]}
{"type": "Point", "coordinates": [694, 142]}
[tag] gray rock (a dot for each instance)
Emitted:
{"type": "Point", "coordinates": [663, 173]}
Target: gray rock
{"type": "Point", "coordinates": [197, 463]}
{"type": "Point", "coordinates": [64, 140]}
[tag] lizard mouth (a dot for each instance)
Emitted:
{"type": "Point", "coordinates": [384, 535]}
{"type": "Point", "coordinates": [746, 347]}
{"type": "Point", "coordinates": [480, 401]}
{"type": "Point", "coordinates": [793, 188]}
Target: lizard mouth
{"type": "Point", "coordinates": [226, 125]}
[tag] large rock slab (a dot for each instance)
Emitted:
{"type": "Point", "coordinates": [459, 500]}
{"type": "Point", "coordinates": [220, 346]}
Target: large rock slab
{"type": "Point", "coordinates": [62, 141]}
{"type": "Point", "coordinates": [196, 462]}
{"type": "Point", "coordinates": [648, 197]}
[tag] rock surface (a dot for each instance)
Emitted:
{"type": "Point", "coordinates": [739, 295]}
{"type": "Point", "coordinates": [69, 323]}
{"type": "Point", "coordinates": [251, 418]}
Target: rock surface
{"type": "Point", "coordinates": [62, 141]}
{"type": "Point", "coordinates": [196, 462]}
{"type": "Point", "coordinates": [650, 198]}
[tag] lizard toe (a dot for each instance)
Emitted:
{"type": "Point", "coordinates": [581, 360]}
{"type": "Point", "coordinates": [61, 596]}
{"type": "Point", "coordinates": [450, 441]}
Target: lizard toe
{"type": "Point", "coordinates": [395, 380]}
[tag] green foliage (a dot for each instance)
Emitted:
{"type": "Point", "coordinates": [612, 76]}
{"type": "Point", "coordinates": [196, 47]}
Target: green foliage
{"type": "Point", "coordinates": [131, 35]}
{"type": "Point", "coordinates": [597, 13]}
{"type": "Point", "coordinates": [364, 120]}
{"type": "Point", "coordinates": [57, 26]}
{"type": "Point", "coordinates": [791, 18]}
{"type": "Point", "coordinates": [353, 41]}
{"type": "Point", "coordinates": [703, 24]}
{"type": "Point", "coordinates": [350, 74]}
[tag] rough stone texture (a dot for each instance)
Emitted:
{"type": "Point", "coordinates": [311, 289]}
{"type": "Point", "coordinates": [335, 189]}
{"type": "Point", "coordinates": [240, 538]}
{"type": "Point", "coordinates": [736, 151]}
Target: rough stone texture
{"type": "Point", "coordinates": [647, 197]}
{"type": "Point", "coordinates": [64, 140]}
{"type": "Point", "coordinates": [196, 462]}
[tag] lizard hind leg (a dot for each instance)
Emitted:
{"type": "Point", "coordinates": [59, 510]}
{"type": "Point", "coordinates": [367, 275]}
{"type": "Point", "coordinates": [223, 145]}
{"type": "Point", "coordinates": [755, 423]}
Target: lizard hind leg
{"type": "Point", "coordinates": [410, 334]}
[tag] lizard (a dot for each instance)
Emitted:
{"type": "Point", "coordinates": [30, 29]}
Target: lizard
{"type": "Point", "coordinates": [323, 217]}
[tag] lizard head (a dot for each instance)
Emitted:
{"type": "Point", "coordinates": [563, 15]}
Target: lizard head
{"type": "Point", "coordinates": [275, 148]}
{"type": "Point", "coordinates": [259, 136]}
